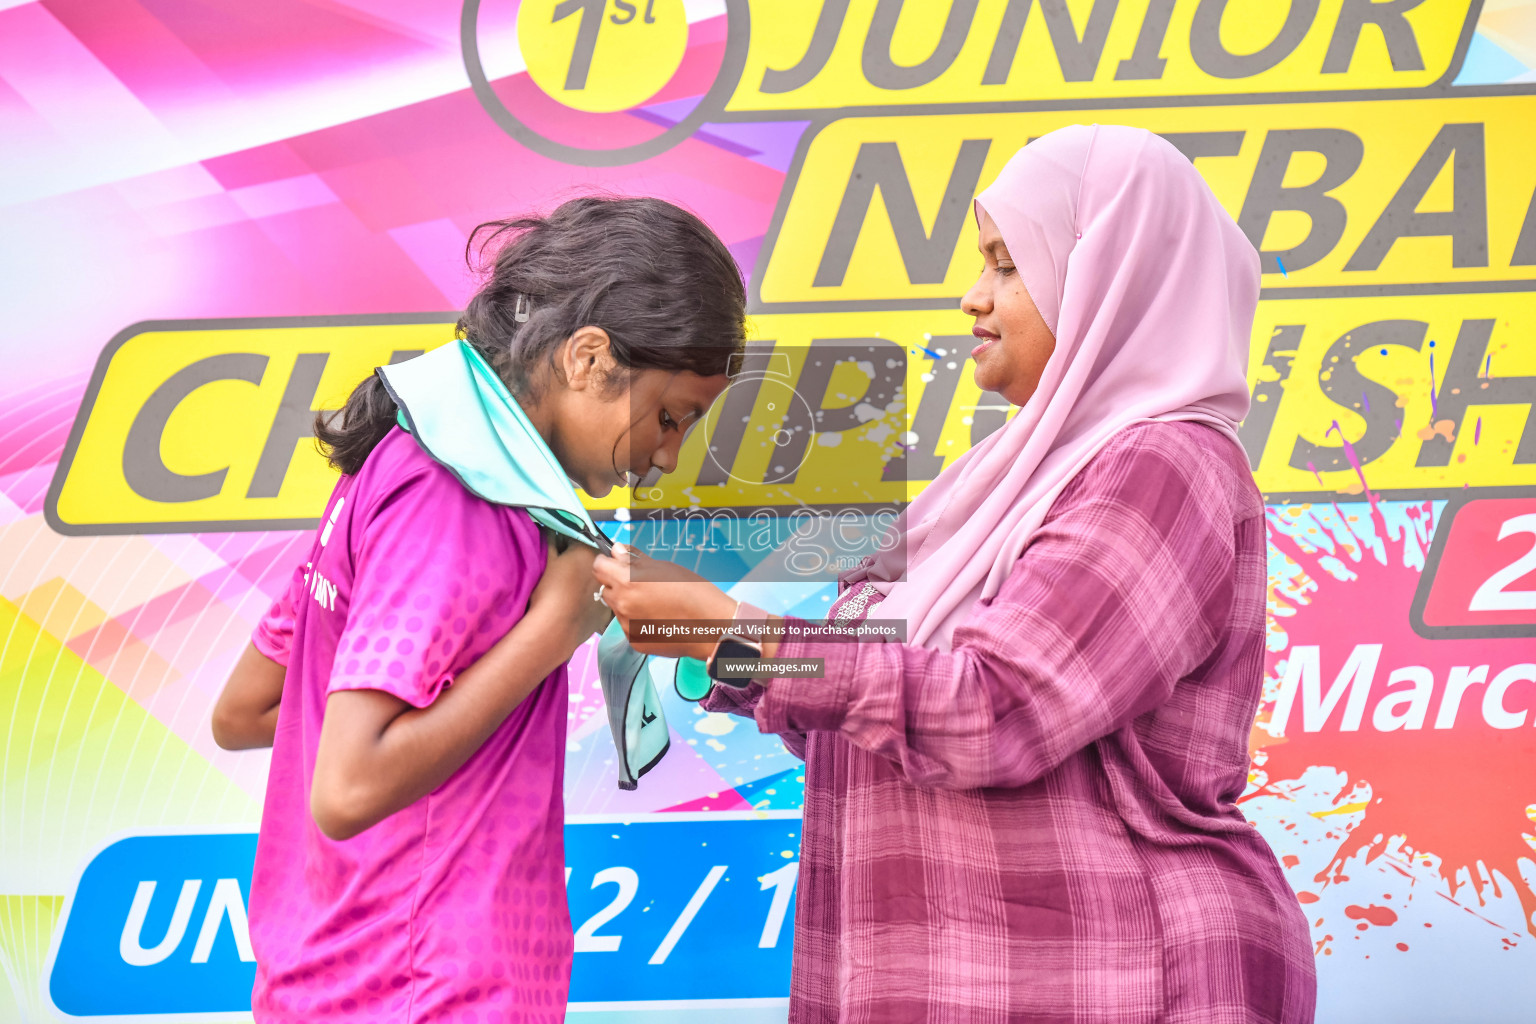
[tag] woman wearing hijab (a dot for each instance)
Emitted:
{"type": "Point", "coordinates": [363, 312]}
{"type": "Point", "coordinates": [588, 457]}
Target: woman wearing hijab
{"type": "Point", "coordinates": [1027, 810]}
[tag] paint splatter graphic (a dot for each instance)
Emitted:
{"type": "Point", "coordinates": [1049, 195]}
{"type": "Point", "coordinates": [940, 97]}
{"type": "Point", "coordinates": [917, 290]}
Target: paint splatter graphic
{"type": "Point", "coordinates": [1428, 785]}
{"type": "Point", "coordinates": [1434, 401]}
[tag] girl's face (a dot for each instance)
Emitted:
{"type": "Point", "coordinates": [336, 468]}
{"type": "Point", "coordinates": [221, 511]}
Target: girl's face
{"type": "Point", "coordinates": [1014, 342]}
{"type": "Point", "coordinates": [602, 433]}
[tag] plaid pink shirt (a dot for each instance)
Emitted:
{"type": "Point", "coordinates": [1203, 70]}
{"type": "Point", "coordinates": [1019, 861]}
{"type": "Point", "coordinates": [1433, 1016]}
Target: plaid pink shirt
{"type": "Point", "coordinates": [1039, 825]}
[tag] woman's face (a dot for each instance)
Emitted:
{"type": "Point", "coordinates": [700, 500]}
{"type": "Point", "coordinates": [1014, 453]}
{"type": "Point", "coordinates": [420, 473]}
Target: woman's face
{"type": "Point", "coordinates": [1014, 343]}
{"type": "Point", "coordinates": [601, 432]}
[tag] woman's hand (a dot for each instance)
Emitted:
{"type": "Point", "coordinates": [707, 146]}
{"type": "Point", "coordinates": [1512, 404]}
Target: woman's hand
{"type": "Point", "coordinates": [637, 586]}
{"type": "Point", "coordinates": [564, 598]}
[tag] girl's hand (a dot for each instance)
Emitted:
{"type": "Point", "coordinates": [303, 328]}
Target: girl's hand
{"type": "Point", "coordinates": [563, 599]}
{"type": "Point", "coordinates": [637, 586]}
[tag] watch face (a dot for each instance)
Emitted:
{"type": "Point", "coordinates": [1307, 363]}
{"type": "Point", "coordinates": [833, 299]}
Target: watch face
{"type": "Point", "coordinates": [730, 647]}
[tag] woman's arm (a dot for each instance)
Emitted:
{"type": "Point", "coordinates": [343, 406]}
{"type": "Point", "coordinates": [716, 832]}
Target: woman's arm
{"type": "Point", "coordinates": [734, 700]}
{"type": "Point", "coordinates": [1124, 591]}
{"type": "Point", "coordinates": [246, 714]}
{"type": "Point", "coordinates": [378, 754]}
{"type": "Point", "coordinates": [743, 701]}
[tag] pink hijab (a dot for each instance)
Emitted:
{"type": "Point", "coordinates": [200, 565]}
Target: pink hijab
{"type": "Point", "coordinates": [1150, 290]}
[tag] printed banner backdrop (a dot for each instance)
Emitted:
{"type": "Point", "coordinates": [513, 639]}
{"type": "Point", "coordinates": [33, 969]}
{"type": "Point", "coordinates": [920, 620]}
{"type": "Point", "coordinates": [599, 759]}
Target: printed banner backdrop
{"type": "Point", "coordinates": [219, 216]}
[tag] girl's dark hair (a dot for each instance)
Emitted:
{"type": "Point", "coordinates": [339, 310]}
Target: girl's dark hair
{"type": "Point", "coordinates": [652, 275]}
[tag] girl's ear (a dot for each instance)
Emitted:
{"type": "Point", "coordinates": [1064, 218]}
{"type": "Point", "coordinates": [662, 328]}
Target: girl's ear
{"type": "Point", "coordinates": [587, 359]}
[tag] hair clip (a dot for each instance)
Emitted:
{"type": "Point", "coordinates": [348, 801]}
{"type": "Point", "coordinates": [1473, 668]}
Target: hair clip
{"type": "Point", "coordinates": [520, 312]}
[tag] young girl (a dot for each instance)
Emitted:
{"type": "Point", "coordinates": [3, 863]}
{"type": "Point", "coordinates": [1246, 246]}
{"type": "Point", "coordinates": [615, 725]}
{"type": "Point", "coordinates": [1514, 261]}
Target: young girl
{"type": "Point", "coordinates": [410, 865]}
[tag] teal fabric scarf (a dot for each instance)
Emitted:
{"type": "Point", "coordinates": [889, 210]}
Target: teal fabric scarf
{"type": "Point", "coordinates": [463, 416]}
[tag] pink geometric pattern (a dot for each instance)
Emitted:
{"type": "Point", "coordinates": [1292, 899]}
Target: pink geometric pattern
{"type": "Point", "coordinates": [172, 160]}
{"type": "Point", "coordinates": [300, 157]}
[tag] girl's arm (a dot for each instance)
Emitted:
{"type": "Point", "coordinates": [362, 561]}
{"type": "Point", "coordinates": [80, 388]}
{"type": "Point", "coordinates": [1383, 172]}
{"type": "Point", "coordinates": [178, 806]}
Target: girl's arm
{"type": "Point", "coordinates": [378, 754]}
{"type": "Point", "coordinates": [246, 714]}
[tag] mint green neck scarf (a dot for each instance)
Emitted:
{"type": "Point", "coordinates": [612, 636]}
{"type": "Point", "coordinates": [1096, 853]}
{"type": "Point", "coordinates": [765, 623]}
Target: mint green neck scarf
{"type": "Point", "coordinates": [463, 416]}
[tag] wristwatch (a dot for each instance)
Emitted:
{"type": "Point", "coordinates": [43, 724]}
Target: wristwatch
{"type": "Point", "coordinates": [737, 642]}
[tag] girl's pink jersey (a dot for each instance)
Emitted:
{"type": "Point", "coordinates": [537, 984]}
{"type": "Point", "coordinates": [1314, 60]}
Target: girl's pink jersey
{"type": "Point", "coordinates": [453, 909]}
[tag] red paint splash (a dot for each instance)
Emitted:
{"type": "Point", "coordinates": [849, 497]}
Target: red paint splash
{"type": "Point", "coordinates": [1459, 794]}
{"type": "Point", "coordinates": [1381, 916]}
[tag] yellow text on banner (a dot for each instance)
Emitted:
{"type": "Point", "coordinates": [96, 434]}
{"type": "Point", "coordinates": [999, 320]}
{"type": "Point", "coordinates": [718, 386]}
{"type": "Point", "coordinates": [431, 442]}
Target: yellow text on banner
{"type": "Point", "coordinates": [815, 55]}
{"type": "Point", "coordinates": [209, 428]}
{"type": "Point", "coordinates": [1370, 195]}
